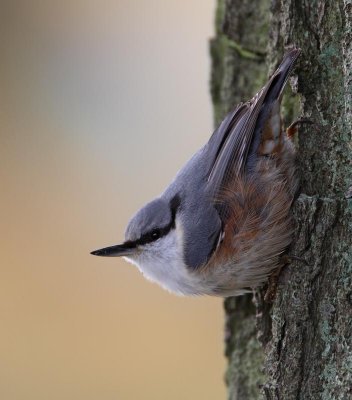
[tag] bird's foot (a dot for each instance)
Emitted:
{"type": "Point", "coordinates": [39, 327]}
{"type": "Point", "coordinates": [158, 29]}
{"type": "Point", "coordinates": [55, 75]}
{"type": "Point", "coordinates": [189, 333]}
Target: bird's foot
{"type": "Point", "coordinates": [292, 129]}
{"type": "Point", "coordinates": [270, 293]}
{"type": "Point", "coordinates": [286, 259]}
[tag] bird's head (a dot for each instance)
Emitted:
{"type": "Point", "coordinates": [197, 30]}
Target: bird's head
{"type": "Point", "coordinates": [154, 243]}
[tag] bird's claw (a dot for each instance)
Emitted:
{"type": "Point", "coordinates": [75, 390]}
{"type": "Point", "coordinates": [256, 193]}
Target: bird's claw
{"type": "Point", "coordinates": [292, 129]}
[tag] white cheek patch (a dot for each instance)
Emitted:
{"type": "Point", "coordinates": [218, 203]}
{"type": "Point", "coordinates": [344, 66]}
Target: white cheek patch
{"type": "Point", "coordinates": [162, 262]}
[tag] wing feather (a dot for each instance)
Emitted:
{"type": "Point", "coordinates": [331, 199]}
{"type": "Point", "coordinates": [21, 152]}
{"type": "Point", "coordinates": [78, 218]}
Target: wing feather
{"type": "Point", "coordinates": [235, 136]}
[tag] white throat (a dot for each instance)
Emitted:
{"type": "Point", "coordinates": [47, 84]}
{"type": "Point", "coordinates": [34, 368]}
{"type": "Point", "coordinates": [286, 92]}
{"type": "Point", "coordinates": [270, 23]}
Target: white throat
{"type": "Point", "coordinates": [162, 262]}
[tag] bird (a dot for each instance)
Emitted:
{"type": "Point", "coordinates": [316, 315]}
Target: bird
{"type": "Point", "coordinates": [223, 224]}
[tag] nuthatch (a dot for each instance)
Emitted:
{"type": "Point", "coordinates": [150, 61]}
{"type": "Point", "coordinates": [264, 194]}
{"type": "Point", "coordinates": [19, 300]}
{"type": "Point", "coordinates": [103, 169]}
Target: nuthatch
{"type": "Point", "coordinates": [222, 225]}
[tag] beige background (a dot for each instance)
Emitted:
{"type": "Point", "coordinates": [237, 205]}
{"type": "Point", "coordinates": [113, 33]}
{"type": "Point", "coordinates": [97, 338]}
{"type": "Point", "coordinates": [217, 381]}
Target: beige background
{"type": "Point", "coordinates": [101, 103]}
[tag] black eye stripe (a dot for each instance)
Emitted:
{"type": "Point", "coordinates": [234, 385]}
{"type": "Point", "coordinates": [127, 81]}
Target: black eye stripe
{"type": "Point", "coordinates": [157, 233]}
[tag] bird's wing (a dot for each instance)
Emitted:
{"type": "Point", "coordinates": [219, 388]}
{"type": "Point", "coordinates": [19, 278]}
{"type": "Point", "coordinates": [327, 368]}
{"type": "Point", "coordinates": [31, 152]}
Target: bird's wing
{"type": "Point", "coordinates": [227, 153]}
{"type": "Point", "coordinates": [239, 134]}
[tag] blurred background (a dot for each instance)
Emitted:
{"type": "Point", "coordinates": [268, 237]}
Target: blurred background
{"type": "Point", "coordinates": [101, 103]}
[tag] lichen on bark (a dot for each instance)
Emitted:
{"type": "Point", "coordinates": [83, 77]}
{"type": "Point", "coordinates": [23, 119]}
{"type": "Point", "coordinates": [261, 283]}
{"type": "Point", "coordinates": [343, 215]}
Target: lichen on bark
{"type": "Point", "coordinates": [300, 347]}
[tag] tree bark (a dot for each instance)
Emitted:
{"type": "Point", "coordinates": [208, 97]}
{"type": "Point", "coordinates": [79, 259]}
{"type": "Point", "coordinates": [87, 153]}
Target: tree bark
{"type": "Point", "coordinates": [299, 347]}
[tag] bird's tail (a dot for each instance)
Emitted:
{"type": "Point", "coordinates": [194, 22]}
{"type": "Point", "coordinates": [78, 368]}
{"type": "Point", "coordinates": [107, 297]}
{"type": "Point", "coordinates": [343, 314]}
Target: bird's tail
{"type": "Point", "coordinates": [268, 130]}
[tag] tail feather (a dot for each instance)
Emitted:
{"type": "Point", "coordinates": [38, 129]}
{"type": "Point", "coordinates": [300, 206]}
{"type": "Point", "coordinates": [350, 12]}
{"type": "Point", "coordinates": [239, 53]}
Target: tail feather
{"type": "Point", "coordinates": [268, 129]}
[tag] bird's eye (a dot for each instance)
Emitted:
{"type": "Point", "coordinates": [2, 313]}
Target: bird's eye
{"type": "Point", "coordinates": [155, 234]}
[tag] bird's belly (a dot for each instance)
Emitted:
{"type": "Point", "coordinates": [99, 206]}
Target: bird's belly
{"type": "Point", "coordinates": [258, 230]}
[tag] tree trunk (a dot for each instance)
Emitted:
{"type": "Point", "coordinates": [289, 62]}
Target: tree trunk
{"type": "Point", "coordinates": [299, 347]}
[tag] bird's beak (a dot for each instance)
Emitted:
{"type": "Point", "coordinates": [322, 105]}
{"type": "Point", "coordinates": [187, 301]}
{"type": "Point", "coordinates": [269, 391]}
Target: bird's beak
{"type": "Point", "coordinates": [120, 250]}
